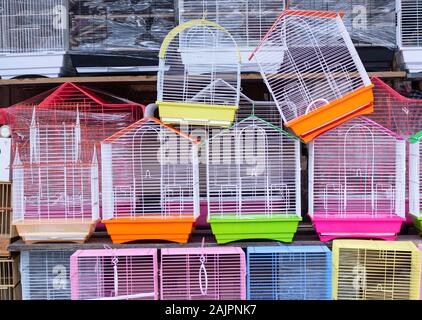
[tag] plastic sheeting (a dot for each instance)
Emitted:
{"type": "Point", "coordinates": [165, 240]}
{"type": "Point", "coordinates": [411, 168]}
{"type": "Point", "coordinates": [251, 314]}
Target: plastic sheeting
{"type": "Point", "coordinates": [370, 22]}
{"type": "Point", "coordinates": [105, 26]}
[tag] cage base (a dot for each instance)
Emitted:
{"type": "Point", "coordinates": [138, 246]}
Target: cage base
{"type": "Point", "coordinates": [46, 65]}
{"type": "Point", "coordinates": [410, 59]}
{"type": "Point", "coordinates": [417, 222]}
{"type": "Point", "coordinates": [55, 231]}
{"type": "Point", "coordinates": [384, 228]}
{"type": "Point", "coordinates": [128, 230]}
{"type": "Point", "coordinates": [278, 229]}
{"type": "Point", "coordinates": [4, 243]}
{"type": "Point", "coordinates": [314, 123]}
{"type": "Point", "coordinates": [196, 114]}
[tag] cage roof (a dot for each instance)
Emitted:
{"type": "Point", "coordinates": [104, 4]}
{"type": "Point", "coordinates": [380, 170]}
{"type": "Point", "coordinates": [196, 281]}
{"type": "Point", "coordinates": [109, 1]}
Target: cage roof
{"type": "Point", "coordinates": [289, 249]}
{"type": "Point", "coordinates": [141, 122]}
{"type": "Point", "coordinates": [375, 245]}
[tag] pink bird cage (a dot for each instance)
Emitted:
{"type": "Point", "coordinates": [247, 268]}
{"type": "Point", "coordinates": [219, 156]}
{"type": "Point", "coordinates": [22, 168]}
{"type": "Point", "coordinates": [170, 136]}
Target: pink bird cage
{"type": "Point", "coordinates": [214, 273]}
{"type": "Point", "coordinates": [56, 172]}
{"type": "Point", "coordinates": [357, 181]}
{"type": "Point", "coordinates": [151, 183]}
{"type": "Point", "coordinates": [403, 116]}
{"type": "Point", "coordinates": [114, 274]}
{"type": "Point", "coordinates": [313, 72]}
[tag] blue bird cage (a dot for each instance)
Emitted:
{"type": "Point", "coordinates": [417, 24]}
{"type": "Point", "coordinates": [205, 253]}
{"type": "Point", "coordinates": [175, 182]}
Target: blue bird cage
{"type": "Point", "coordinates": [289, 273]}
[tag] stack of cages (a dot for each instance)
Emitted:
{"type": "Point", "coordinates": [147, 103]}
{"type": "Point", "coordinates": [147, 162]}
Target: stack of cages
{"type": "Point", "coordinates": [118, 36]}
{"type": "Point", "coordinates": [246, 20]}
{"type": "Point", "coordinates": [409, 35]}
{"type": "Point", "coordinates": [199, 60]}
{"type": "Point", "coordinates": [289, 273]}
{"type": "Point", "coordinates": [357, 181]}
{"type": "Point", "coordinates": [34, 38]}
{"type": "Point", "coordinates": [253, 182]}
{"type": "Point", "coordinates": [313, 72]}
{"type": "Point", "coordinates": [150, 183]}
{"type": "Point", "coordinates": [45, 274]}
{"type": "Point", "coordinates": [56, 171]}
{"type": "Point", "coordinates": [10, 285]}
{"type": "Point", "coordinates": [370, 23]}
{"type": "Point", "coordinates": [206, 273]}
{"type": "Point", "coordinates": [114, 274]}
{"type": "Point", "coordinates": [376, 270]}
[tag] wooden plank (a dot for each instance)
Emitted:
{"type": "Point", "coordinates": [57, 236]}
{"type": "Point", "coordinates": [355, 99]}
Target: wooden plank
{"type": "Point", "coordinates": [305, 235]}
{"type": "Point", "coordinates": [149, 78]}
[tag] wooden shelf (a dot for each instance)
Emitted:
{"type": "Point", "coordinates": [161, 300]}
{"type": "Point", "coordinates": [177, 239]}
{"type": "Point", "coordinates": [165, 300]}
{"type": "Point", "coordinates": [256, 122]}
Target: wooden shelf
{"type": "Point", "coordinates": [150, 78]}
{"type": "Point", "coordinates": [305, 235]}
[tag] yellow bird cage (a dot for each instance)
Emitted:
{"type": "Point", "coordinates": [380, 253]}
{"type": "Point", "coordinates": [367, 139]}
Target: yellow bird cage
{"type": "Point", "coordinates": [376, 270]}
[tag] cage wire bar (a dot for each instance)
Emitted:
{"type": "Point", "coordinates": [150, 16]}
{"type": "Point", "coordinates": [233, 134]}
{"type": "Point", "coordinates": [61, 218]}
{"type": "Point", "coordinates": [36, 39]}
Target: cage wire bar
{"type": "Point", "coordinates": [34, 37]}
{"type": "Point", "coordinates": [207, 273]}
{"type": "Point", "coordinates": [319, 81]}
{"type": "Point", "coordinates": [253, 182]}
{"type": "Point", "coordinates": [246, 20]}
{"type": "Point", "coordinates": [150, 183]}
{"type": "Point", "coordinates": [375, 270]}
{"type": "Point", "coordinates": [289, 273]}
{"type": "Point", "coordinates": [357, 182]}
{"type": "Point", "coordinates": [45, 274]}
{"type": "Point", "coordinates": [409, 34]}
{"type": "Point", "coordinates": [114, 274]}
{"type": "Point", "coordinates": [199, 61]}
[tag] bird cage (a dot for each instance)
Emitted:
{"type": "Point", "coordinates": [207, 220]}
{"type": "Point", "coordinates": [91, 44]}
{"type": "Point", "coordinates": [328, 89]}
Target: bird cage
{"type": "Point", "coordinates": [247, 21]}
{"type": "Point", "coordinates": [114, 274]}
{"type": "Point", "coordinates": [150, 183]}
{"type": "Point", "coordinates": [369, 22]}
{"type": "Point", "coordinates": [5, 154]}
{"type": "Point", "coordinates": [217, 273]}
{"type": "Point", "coordinates": [409, 34]}
{"type": "Point", "coordinates": [319, 81]}
{"type": "Point", "coordinates": [400, 114]}
{"type": "Point", "coordinates": [415, 178]}
{"type": "Point", "coordinates": [34, 37]}
{"type": "Point", "coordinates": [9, 279]}
{"type": "Point", "coordinates": [357, 182]}
{"type": "Point", "coordinates": [197, 60]}
{"type": "Point", "coordinates": [375, 270]}
{"type": "Point", "coordinates": [45, 274]}
{"type": "Point", "coordinates": [253, 182]}
{"type": "Point", "coordinates": [289, 273]}
{"type": "Point", "coordinates": [57, 137]}
{"type": "Point", "coordinates": [118, 36]}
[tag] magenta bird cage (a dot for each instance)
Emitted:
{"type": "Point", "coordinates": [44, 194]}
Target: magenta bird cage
{"type": "Point", "coordinates": [114, 274]}
{"type": "Point", "coordinates": [357, 181]}
{"type": "Point", "coordinates": [214, 273]}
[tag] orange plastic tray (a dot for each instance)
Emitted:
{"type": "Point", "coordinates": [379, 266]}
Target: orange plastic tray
{"type": "Point", "coordinates": [127, 230]}
{"type": "Point", "coordinates": [311, 125]}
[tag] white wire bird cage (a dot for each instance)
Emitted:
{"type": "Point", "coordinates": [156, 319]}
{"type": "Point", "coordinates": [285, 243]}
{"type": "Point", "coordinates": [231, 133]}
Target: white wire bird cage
{"type": "Point", "coordinates": [319, 81]}
{"type": "Point", "coordinates": [56, 190]}
{"type": "Point", "coordinates": [34, 37]}
{"type": "Point", "coordinates": [5, 158]}
{"type": "Point", "coordinates": [409, 34]}
{"type": "Point", "coordinates": [197, 60]}
{"type": "Point", "coordinates": [45, 274]}
{"type": "Point", "coordinates": [150, 183]}
{"type": "Point", "coordinates": [253, 182]}
{"type": "Point", "coordinates": [114, 274]}
{"type": "Point", "coordinates": [357, 182]}
{"type": "Point", "coordinates": [247, 20]}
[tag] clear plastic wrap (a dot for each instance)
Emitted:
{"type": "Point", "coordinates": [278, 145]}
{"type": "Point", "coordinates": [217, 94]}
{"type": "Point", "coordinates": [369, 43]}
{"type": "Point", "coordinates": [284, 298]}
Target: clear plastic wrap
{"type": "Point", "coordinates": [370, 22]}
{"type": "Point", "coordinates": [122, 26]}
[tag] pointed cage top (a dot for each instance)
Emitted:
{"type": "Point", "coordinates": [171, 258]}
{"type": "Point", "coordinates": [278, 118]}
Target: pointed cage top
{"type": "Point", "coordinates": [189, 24]}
